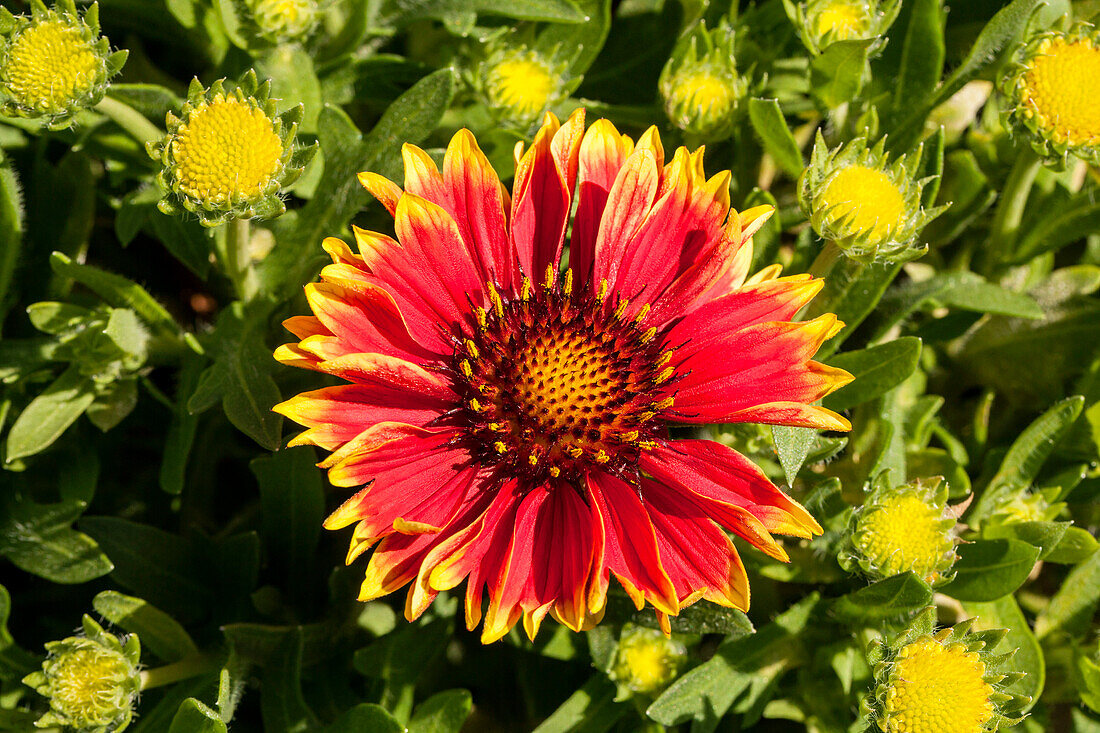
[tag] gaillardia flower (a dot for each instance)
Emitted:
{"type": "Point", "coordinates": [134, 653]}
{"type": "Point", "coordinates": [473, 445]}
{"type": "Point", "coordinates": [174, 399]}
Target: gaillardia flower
{"type": "Point", "coordinates": [91, 681]}
{"type": "Point", "coordinates": [700, 85]}
{"type": "Point", "coordinates": [518, 83]}
{"type": "Point", "coordinates": [54, 63]}
{"type": "Point", "coordinates": [946, 681]}
{"type": "Point", "coordinates": [1052, 93]}
{"type": "Point", "coordinates": [870, 208]}
{"type": "Point", "coordinates": [510, 425]}
{"type": "Point", "coordinates": [821, 23]}
{"type": "Point", "coordinates": [228, 154]}
{"type": "Point", "coordinates": [903, 528]}
{"type": "Point", "coordinates": [285, 20]}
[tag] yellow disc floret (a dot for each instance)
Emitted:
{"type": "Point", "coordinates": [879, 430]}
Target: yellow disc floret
{"type": "Point", "coordinates": [50, 66]}
{"type": "Point", "coordinates": [866, 201]}
{"type": "Point", "coordinates": [937, 688]}
{"type": "Point", "coordinates": [226, 151]}
{"type": "Point", "coordinates": [521, 85]}
{"type": "Point", "coordinates": [904, 533]}
{"type": "Point", "coordinates": [1058, 90]}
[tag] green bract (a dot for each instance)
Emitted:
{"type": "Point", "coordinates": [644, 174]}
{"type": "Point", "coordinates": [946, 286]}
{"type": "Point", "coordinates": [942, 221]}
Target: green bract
{"type": "Point", "coordinates": [869, 207]}
{"type": "Point", "coordinates": [228, 154]}
{"type": "Point", "coordinates": [91, 681]}
{"type": "Point", "coordinates": [53, 62]}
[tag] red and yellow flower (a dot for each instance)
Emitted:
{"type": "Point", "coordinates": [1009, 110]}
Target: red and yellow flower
{"type": "Point", "coordinates": [509, 421]}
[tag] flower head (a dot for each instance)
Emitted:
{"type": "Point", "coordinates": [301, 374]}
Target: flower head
{"type": "Point", "coordinates": [1052, 93]}
{"type": "Point", "coordinates": [228, 154]}
{"type": "Point", "coordinates": [285, 20]}
{"type": "Point", "coordinates": [511, 425]}
{"type": "Point", "coordinates": [646, 661]}
{"type": "Point", "coordinates": [1023, 506]}
{"type": "Point", "coordinates": [869, 207]}
{"type": "Point", "coordinates": [54, 63]}
{"type": "Point", "coordinates": [904, 528]}
{"type": "Point", "coordinates": [946, 681]}
{"type": "Point", "coordinates": [824, 22]}
{"type": "Point", "coordinates": [91, 681]}
{"type": "Point", "coordinates": [519, 83]}
{"type": "Point", "coordinates": [700, 85]}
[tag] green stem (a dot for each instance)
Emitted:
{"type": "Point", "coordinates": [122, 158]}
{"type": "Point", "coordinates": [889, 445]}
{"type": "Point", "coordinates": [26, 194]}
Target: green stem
{"type": "Point", "coordinates": [238, 258]}
{"type": "Point", "coordinates": [1010, 208]}
{"type": "Point", "coordinates": [186, 668]}
{"type": "Point", "coordinates": [130, 120]}
{"type": "Point", "coordinates": [826, 259]}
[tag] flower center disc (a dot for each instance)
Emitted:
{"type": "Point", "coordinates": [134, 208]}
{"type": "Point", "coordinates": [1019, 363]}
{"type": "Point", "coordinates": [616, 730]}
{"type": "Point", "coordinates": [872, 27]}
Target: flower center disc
{"type": "Point", "coordinates": [937, 689]}
{"type": "Point", "coordinates": [553, 384]}
{"type": "Point", "coordinates": [227, 151]}
{"type": "Point", "coordinates": [868, 196]}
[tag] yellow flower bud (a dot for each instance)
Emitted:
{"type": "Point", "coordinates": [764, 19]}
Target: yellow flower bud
{"type": "Point", "coordinates": [519, 84]}
{"type": "Point", "coordinates": [53, 63]}
{"type": "Point", "coordinates": [700, 85]}
{"type": "Point", "coordinates": [91, 681]}
{"type": "Point", "coordinates": [646, 661]}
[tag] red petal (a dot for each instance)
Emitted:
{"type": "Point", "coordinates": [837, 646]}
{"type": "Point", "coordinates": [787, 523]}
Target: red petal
{"type": "Point", "coordinates": [717, 472]}
{"type": "Point", "coordinates": [541, 198]}
{"type": "Point", "coordinates": [602, 153]}
{"type": "Point", "coordinates": [628, 203]}
{"type": "Point", "coordinates": [699, 558]}
{"type": "Point", "coordinates": [630, 550]}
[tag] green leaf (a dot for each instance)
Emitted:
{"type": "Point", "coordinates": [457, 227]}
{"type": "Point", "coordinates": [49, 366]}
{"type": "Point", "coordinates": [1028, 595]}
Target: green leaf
{"type": "Point", "coordinates": [587, 38]}
{"type": "Point", "coordinates": [877, 370]}
{"type": "Point", "coordinates": [50, 414]}
{"type": "Point", "coordinates": [792, 445]}
{"type": "Point", "coordinates": [704, 694]}
{"type": "Point", "coordinates": [1076, 545]}
{"type": "Point", "coordinates": [185, 239]}
{"type": "Point", "coordinates": [851, 291]}
{"type": "Point", "coordinates": [1044, 535]}
{"type": "Point", "coordinates": [552, 11]}
{"type": "Point", "coordinates": [889, 598]}
{"type": "Point", "coordinates": [181, 429]}
{"type": "Point", "coordinates": [1027, 455]}
{"type": "Point", "coordinates": [771, 127]}
{"type": "Point", "coordinates": [293, 81]}
{"type": "Point", "coordinates": [39, 538]}
{"type": "Point", "coordinates": [701, 618]}
{"type": "Point", "coordinates": [281, 701]}
{"type": "Point", "coordinates": [989, 569]}
{"type": "Point", "coordinates": [444, 712]}
{"type": "Point", "coordinates": [121, 293]}
{"type": "Point", "coordinates": [1072, 607]}
{"type": "Point", "coordinates": [399, 658]}
{"type": "Point", "coordinates": [11, 231]}
{"type": "Point", "coordinates": [922, 53]}
{"type": "Point", "coordinates": [411, 118]}
{"type": "Point", "coordinates": [366, 717]}
{"type": "Point", "coordinates": [1052, 232]}
{"type": "Point", "coordinates": [1001, 33]}
{"type": "Point", "coordinates": [837, 75]}
{"type": "Point", "coordinates": [166, 569]}
{"type": "Point", "coordinates": [591, 709]}
{"type": "Point", "coordinates": [194, 717]}
{"type": "Point", "coordinates": [292, 502]}
{"type": "Point", "coordinates": [1028, 659]}
{"type": "Point", "coordinates": [14, 662]}
{"type": "Point", "coordinates": [159, 632]}
{"type": "Point", "coordinates": [970, 292]}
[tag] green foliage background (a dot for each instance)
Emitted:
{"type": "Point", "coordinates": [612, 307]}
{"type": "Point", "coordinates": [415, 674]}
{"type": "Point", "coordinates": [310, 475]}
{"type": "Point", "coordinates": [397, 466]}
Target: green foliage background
{"type": "Point", "coordinates": [144, 479]}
